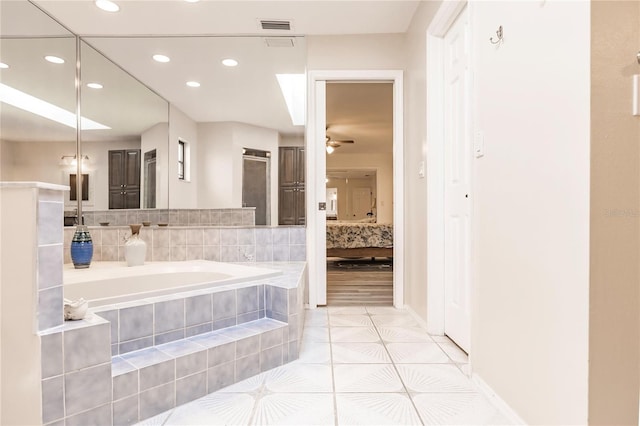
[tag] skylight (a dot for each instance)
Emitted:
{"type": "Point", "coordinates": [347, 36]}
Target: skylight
{"type": "Point", "coordinates": [37, 106]}
{"type": "Point", "coordinates": [293, 87]}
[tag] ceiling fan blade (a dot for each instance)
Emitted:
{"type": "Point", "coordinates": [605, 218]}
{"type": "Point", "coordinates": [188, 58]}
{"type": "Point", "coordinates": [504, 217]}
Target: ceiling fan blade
{"type": "Point", "coordinates": [346, 141]}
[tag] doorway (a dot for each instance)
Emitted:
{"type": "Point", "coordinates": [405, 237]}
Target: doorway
{"type": "Point", "coordinates": [316, 177]}
{"type": "Point", "coordinates": [256, 184]}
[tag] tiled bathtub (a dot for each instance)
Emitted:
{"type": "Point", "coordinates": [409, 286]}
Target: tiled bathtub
{"type": "Point", "coordinates": [130, 361]}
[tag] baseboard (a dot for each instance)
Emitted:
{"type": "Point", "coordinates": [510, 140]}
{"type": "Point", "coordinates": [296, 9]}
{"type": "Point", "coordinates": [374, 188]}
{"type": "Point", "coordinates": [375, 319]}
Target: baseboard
{"type": "Point", "coordinates": [415, 316]}
{"type": "Point", "coordinates": [495, 399]}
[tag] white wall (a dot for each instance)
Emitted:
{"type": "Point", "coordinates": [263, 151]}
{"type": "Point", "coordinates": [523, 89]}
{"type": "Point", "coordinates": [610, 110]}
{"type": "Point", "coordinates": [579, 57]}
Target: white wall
{"type": "Point", "coordinates": [358, 52]}
{"type": "Point", "coordinates": [220, 163]}
{"type": "Point", "coordinates": [415, 207]}
{"type": "Point", "coordinates": [183, 194]}
{"type": "Point", "coordinates": [291, 140]}
{"type": "Point", "coordinates": [529, 338]}
{"type": "Point", "coordinates": [383, 164]}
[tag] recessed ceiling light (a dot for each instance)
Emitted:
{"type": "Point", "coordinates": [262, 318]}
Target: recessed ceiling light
{"type": "Point", "coordinates": [229, 62]}
{"type": "Point", "coordinates": [161, 58]}
{"type": "Point", "coordinates": [3, 65]}
{"type": "Point", "coordinates": [107, 6]}
{"type": "Point", "coordinates": [94, 85]}
{"type": "Point", "coordinates": [54, 59]}
{"type": "Point", "coordinates": [193, 84]}
{"type": "Point", "coordinates": [192, 1]}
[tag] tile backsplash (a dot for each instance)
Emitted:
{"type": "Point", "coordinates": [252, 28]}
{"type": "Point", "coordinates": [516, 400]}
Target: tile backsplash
{"type": "Point", "coordinates": [179, 243]}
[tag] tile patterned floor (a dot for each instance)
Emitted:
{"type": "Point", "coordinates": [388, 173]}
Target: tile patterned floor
{"type": "Point", "coordinates": [357, 366]}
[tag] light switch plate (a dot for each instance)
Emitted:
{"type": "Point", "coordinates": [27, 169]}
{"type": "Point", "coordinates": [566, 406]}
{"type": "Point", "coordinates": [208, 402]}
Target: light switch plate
{"type": "Point", "coordinates": [421, 169]}
{"type": "Point", "coordinates": [478, 144]}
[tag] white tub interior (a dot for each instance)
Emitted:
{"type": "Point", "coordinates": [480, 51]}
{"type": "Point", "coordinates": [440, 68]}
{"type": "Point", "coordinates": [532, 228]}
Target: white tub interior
{"type": "Point", "coordinates": [106, 283]}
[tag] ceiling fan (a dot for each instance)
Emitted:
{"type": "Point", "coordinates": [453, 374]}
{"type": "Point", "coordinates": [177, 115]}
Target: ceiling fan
{"type": "Point", "coordinates": [333, 144]}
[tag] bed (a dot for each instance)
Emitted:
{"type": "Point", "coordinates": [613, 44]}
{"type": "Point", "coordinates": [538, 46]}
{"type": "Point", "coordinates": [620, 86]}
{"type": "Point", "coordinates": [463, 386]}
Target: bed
{"type": "Point", "coordinates": [355, 239]}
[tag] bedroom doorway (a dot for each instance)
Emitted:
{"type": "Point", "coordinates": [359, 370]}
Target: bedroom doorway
{"type": "Point", "coordinates": [323, 130]}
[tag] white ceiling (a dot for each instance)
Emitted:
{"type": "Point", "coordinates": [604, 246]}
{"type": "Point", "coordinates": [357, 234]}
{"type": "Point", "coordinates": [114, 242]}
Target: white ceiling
{"type": "Point", "coordinates": [246, 93]}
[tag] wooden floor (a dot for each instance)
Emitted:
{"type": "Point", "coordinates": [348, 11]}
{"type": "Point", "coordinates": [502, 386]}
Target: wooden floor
{"type": "Point", "coordinates": [359, 282]}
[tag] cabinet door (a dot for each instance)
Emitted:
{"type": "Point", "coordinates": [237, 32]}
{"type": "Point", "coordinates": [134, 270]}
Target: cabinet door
{"type": "Point", "coordinates": [116, 200]}
{"type": "Point", "coordinates": [132, 169]}
{"type": "Point", "coordinates": [287, 206]}
{"type": "Point", "coordinates": [287, 166]}
{"type": "Point", "coordinates": [116, 169]}
{"type": "Point", "coordinates": [300, 166]}
{"type": "Point", "coordinates": [300, 207]}
{"type": "Point", "coordinates": [131, 198]}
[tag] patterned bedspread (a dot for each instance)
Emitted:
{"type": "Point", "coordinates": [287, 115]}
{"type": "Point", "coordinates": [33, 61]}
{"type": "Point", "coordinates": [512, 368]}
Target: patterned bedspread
{"type": "Point", "coordinates": [357, 235]}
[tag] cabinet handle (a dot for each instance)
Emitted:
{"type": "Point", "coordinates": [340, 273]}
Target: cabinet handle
{"type": "Point", "coordinates": [126, 192]}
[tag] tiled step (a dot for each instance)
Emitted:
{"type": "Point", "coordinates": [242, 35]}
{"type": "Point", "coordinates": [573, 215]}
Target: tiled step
{"type": "Point", "coordinates": [152, 380]}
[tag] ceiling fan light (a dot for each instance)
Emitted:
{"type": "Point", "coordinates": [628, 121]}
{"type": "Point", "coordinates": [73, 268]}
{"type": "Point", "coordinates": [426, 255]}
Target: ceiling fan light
{"type": "Point", "coordinates": [330, 149]}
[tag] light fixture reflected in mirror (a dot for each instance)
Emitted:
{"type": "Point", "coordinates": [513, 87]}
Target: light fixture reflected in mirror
{"type": "Point", "coordinates": [70, 160]}
{"type": "Point", "coordinates": [330, 149]}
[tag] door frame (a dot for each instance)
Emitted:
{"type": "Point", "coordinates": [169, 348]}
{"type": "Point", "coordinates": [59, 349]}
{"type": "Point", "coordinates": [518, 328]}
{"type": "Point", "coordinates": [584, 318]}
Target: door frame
{"type": "Point", "coordinates": [442, 21]}
{"type": "Point", "coordinates": [316, 167]}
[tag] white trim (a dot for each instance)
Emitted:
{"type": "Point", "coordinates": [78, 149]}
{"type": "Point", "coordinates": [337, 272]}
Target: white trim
{"type": "Point", "coordinates": [444, 18]}
{"type": "Point", "coordinates": [497, 402]}
{"type": "Point", "coordinates": [421, 322]}
{"type": "Point", "coordinates": [316, 244]}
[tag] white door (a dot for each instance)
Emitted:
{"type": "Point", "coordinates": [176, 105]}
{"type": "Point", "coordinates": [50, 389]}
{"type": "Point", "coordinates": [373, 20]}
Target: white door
{"type": "Point", "coordinates": [457, 172]}
{"type": "Point", "coordinates": [361, 202]}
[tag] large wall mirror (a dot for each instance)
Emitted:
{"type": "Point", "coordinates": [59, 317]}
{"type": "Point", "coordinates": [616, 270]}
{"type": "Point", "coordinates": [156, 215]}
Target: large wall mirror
{"type": "Point", "coordinates": [136, 149]}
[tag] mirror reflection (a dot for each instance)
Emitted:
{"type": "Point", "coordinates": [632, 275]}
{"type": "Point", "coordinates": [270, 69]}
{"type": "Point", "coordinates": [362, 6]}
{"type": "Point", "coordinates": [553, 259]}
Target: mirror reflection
{"type": "Point", "coordinates": [126, 146]}
{"type": "Point", "coordinates": [37, 96]}
{"type": "Point", "coordinates": [220, 114]}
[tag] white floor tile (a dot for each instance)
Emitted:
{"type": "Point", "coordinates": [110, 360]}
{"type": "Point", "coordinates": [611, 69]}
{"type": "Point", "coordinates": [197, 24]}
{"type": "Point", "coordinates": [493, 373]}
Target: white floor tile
{"type": "Point", "coordinates": [350, 321]}
{"type": "Point", "coordinates": [455, 353]}
{"type": "Point", "coordinates": [315, 334]}
{"type": "Point", "coordinates": [385, 310]}
{"type": "Point", "coordinates": [366, 378]}
{"type": "Point", "coordinates": [252, 384]}
{"type": "Point", "coordinates": [300, 378]}
{"type": "Point", "coordinates": [441, 339]}
{"type": "Point", "coordinates": [403, 334]}
{"type": "Point", "coordinates": [347, 310]}
{"type": "Point", "coordinates": [364, 353]}
{"type": "Point", "coordinates": [434, 378]}
{"type": "Point", "coordinates": [316, 318]}
{"type": "Point", "coordinates": [403, 319]}
{"type": "Point", "coordinates": [314, 353]}
{"type": "Point", "coordinates": [414, 353]}
{"type": "Point", "coordinates": [295, 409]}
{"type": "Point", "coordinates": [457, 409]}
{"type": "Point", "coordinates": [214, 409]}
{"type": "Point", "coordinates": [158, 420]}
{"type": "Point", "coordinates": [354, 334]}
{"type": "Point", "coordinates": [375, 409]}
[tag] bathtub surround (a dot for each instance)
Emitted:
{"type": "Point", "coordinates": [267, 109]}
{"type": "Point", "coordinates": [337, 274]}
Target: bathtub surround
{"type": "Point", "coordinates": [262, 329]}
{"type": "Point", "coordinates": [32, 294]}
{"type": "Point", "coordinates": [179, 243]}
{"type": "Point", "coordinates": [175, 217]}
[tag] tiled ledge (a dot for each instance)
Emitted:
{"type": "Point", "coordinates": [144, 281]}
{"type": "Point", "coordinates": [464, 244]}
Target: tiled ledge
{"type": "Point", "coordinates": [153, 380]}
{"type": "Point", "coordinates": [175, 217]}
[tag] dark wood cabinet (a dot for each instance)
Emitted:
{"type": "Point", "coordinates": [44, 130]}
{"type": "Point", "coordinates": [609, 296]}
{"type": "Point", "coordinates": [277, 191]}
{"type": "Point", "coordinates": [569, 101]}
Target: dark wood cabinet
{"type": "Point", "coordinates": [291, 202]}
{"type": "Point", "coordinates": [124, 179]}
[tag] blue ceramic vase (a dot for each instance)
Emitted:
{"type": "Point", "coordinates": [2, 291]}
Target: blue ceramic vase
{"type": "Point", "coordinates": [81, 248]}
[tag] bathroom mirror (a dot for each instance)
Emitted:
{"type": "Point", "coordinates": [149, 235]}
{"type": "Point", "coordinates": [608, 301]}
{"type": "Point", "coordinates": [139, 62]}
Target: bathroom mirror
{"type": "Point", "coordinates": [233, 109]}
{"type": "Point", "coordinates": [37, 96]}
{"type": "Point", "coordinates": [125, 146]}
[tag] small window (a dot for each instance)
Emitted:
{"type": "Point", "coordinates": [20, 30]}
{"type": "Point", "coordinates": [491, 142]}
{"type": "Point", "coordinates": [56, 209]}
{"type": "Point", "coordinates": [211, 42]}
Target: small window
{"type": "Point", "coordinates": [181, 160]}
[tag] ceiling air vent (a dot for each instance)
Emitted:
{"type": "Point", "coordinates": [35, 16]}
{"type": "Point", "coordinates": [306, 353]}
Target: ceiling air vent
{"type": "Point", "coordinates": [276, 25]}
{"type": "Point", "coordinates": [279, 42]}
